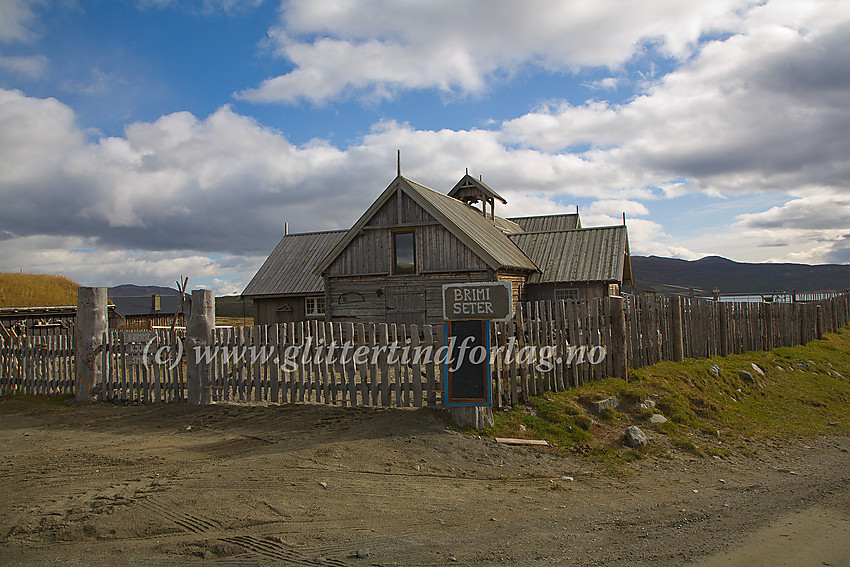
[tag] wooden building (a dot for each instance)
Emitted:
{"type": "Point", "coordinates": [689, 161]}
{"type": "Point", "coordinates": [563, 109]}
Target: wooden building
{"type": "Point", "coordinates": [148, 311]}
{"type": "Point", "coordinates": [391, 265]}
{"type": "Point", "coordinates": [285, 289]}
{"type": "Point", "coordinates": [39, 321]}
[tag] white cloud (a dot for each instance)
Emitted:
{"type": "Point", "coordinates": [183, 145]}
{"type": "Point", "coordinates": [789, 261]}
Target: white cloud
{"type": "Point", "coordinates": [763, 110]}
{"type": "Point", "coordinates": [378, 47]}
{"type": "Point", "coordinates": [17, 20]}
{"type": "Point", "coordinates": [32, 67]}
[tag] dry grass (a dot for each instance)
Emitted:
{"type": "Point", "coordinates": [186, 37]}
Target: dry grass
{"type": "Point", "coordinates": [35, 290]}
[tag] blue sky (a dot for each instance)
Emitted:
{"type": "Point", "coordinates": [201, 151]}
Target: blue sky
{"type": "Point", "coordinates": [145, 139]}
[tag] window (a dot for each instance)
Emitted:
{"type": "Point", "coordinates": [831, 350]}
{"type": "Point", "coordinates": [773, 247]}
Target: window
{"type": "Point", "coordinates": [315, 306]}
{"type": "Point", "coordinates": [568, 293]}
{"type": "Point", "coordinates": [404, 253]}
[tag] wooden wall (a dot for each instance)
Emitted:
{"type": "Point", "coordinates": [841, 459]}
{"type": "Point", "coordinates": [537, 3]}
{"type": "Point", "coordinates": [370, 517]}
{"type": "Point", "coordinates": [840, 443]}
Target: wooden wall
{"type": "Point", "coordinates": [586, 290]}
{"type": "Point", "coordinates": [365, 299]}
{"type": "Point", "coordinates": [266, 310]}
{"type": "Point", "coordinates": [437, 249]}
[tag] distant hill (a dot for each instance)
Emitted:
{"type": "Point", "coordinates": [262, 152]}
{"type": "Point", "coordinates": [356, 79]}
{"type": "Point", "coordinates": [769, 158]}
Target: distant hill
{"type": "Point", "coordinates": [36, 290]}
{"type": "Point", "coordinates": [737, 277]}
{"type": "Point", "coordinates": [131, 290]}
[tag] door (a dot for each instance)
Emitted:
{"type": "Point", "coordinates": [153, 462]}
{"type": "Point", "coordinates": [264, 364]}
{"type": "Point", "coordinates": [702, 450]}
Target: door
{"type": "Point", "coordinates": [405, 304]}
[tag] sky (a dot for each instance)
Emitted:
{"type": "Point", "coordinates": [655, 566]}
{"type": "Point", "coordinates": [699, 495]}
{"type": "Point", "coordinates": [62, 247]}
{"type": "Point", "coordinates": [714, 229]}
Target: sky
{"type": "Point", "coordinates": [142, 140]}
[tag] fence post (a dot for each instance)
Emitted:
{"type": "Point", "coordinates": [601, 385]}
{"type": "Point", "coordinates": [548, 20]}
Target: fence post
{"type": "Point", "coordinates": [619, 347]}
{"type": "Point", "coordinates": [819, 322]}
{"type": "Point", "coordinates": [90, 325]}
{"type": "Point", "coordinates": [199, 334]}
{"type": "Point", "coordinates": [724, 331]}
{"type": "Point", "coordinates": [676, 330]}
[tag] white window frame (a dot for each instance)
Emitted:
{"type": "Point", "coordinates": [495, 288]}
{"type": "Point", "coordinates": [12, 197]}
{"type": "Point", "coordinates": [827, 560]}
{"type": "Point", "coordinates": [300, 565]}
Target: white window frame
{"type": "Point", "coordinates": [314, 306]}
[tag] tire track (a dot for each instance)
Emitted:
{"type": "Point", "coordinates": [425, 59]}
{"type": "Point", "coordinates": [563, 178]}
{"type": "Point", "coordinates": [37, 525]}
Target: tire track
{"type": "Point", "coordinates": [275, 550]}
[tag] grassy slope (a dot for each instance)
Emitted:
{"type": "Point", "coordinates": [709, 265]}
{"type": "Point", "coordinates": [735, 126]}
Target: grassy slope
{"type": "Point", "coordinates": [804, 390]}
{"type": "Point", "coordinates": [32, 290]}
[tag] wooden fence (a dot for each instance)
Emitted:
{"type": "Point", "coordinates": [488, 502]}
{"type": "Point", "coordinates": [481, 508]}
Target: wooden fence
{"type": "Point", "coordinates": [548, 346]}
{"type": "Point", "coordinates": [37, 365]}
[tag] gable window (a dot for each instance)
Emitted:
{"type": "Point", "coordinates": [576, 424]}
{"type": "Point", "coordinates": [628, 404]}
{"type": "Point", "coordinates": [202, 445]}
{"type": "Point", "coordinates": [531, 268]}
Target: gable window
{"type": "Point", "coordinates": [567, 293]}
{"type": "Point", "coordinates": [404, 252]}
{"type": "Point", "coordinates": [315, 306]}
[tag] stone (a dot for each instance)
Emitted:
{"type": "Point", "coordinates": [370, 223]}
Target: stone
{"type": "Point", "coordinates": [757, 369]}
{"type": "Point", "coordinates": [567, 478]}
{"type": "Point", "coordinates": [657, 418]}
{"type": "Point", "coordinates": [834, 423]}
{"type": "Point", "coordinates": [803, 365]}
{"type": "Point", "coordinates": [362, 552]}
{"type": "Point", "coordinates": [611, 402]}
{"type": "Point", "coordinates": [648, 404]}
{"type": "Point", "coordinates": [635, 437]}
{"type": "Point", "coordinates": [714, 369]}
{"type": "Point", "coordinates": [746, 376]}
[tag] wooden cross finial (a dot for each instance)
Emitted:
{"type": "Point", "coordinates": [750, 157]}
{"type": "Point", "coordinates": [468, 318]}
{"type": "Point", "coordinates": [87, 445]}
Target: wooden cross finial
{"type": "Point", "coordinates": [399, 163]}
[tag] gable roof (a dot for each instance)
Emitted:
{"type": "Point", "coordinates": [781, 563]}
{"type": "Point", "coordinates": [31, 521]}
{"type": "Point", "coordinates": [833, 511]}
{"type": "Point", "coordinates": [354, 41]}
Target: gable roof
{"type": "Point", "coordinates": [467, 181]}
{"type": "Point", "coordinates": [135, 305]}
{"type": "Point", "coordinates": [466, 223]}
{"type": "Point", "coordinates": [579, 255]}
{"type": "Point", "coordinates": [547, 223]}
{"type": "Point", "coordinates": [289, 268]}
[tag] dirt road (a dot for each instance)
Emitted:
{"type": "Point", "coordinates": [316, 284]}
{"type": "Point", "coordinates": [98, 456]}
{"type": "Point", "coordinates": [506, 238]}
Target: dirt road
{"type": "Point", "coordinates": [308, 485]}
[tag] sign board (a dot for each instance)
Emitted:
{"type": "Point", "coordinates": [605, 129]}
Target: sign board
{"type": "Point", "coordinates": [135, 343]}
{"type": "Point", "coordinates": [492, 301]}
{"type": "Point", "coordinates": [466, 374]}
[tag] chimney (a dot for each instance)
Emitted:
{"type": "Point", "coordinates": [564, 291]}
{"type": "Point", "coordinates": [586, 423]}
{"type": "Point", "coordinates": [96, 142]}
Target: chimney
{"type": "Point", "coordinates": [155, 302]}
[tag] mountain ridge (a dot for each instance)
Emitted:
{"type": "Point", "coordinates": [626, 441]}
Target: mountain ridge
{"type": "Point", "coordinates": [656, 273]}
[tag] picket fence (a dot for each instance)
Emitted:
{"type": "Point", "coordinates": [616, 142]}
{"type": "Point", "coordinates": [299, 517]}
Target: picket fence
{"type": "Point", "coordinates": [248, 364]}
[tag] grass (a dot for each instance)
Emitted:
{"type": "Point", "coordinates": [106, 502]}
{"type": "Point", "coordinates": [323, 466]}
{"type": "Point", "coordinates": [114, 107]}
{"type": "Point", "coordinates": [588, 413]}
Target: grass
{"type": "Point", "coordinates": [35, 290]}
{"type": "Point", "coordinates": [805, 391]}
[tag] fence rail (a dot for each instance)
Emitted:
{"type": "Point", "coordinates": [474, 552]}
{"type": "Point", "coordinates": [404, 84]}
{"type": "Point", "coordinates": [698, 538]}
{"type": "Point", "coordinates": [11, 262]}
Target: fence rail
{"type": "Point", "coordinates": [548, 346]}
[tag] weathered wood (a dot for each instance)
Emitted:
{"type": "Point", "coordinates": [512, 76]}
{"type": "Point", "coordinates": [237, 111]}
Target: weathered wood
{"type": "Point", "coordinates": [199, 336]}
{"type": "Point", "coordinates": [432, 369]}
{"type": "Point", "coordinates": [619, 349]}
{"type": "Point", "coordinates": [89, 326]}
{"type": "Point", "coordinates": [474, 417]}
{"type": "Point", "coordinates": [416, 367]}
{"type": "Point", "coordinates": [678, 339]}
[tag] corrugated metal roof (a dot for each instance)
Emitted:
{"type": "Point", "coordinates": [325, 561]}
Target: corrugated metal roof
{"type": "Point", "coordinates": [471, 227]}
{"type": "Point", "coordinates": [548, 223]}
{"type": "Point", "coordinates": [289, 268]}
{"type": "Point", "coordinates": [465, 222]}
{"type": "Point", "coordinates": [507, 226]}
{"type": "Point", "coordinates": [580, 255]}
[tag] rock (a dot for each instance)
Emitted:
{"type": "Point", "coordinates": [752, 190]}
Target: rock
{"type": "Point", "coordinates": [417, 467]}
{"type": "Point", "coordinates": [635, 437]}
{"type": "Point", "coordinates": [323, 484]}
{"type": "Point", "coordinates": [362, 552]}
{"type": "Point", "coordinates": [746, 376]}
{"type": "Point", "coordinates": [714, 369]}
{"type": "Point", "coordinates": [834, 423]}
{"type": "Point", "coordinates": [803, 365]}
{"type": "Point", "coordinates": [648, 404]}
{"type": "Point", "coordinates": [657, 418]}
{"type": "Point", "coordinates": [567, 478]}
{"type": "Point", "coordinates": [757, 368]}
{"type": "Point", "coordinates": [611, 402]}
